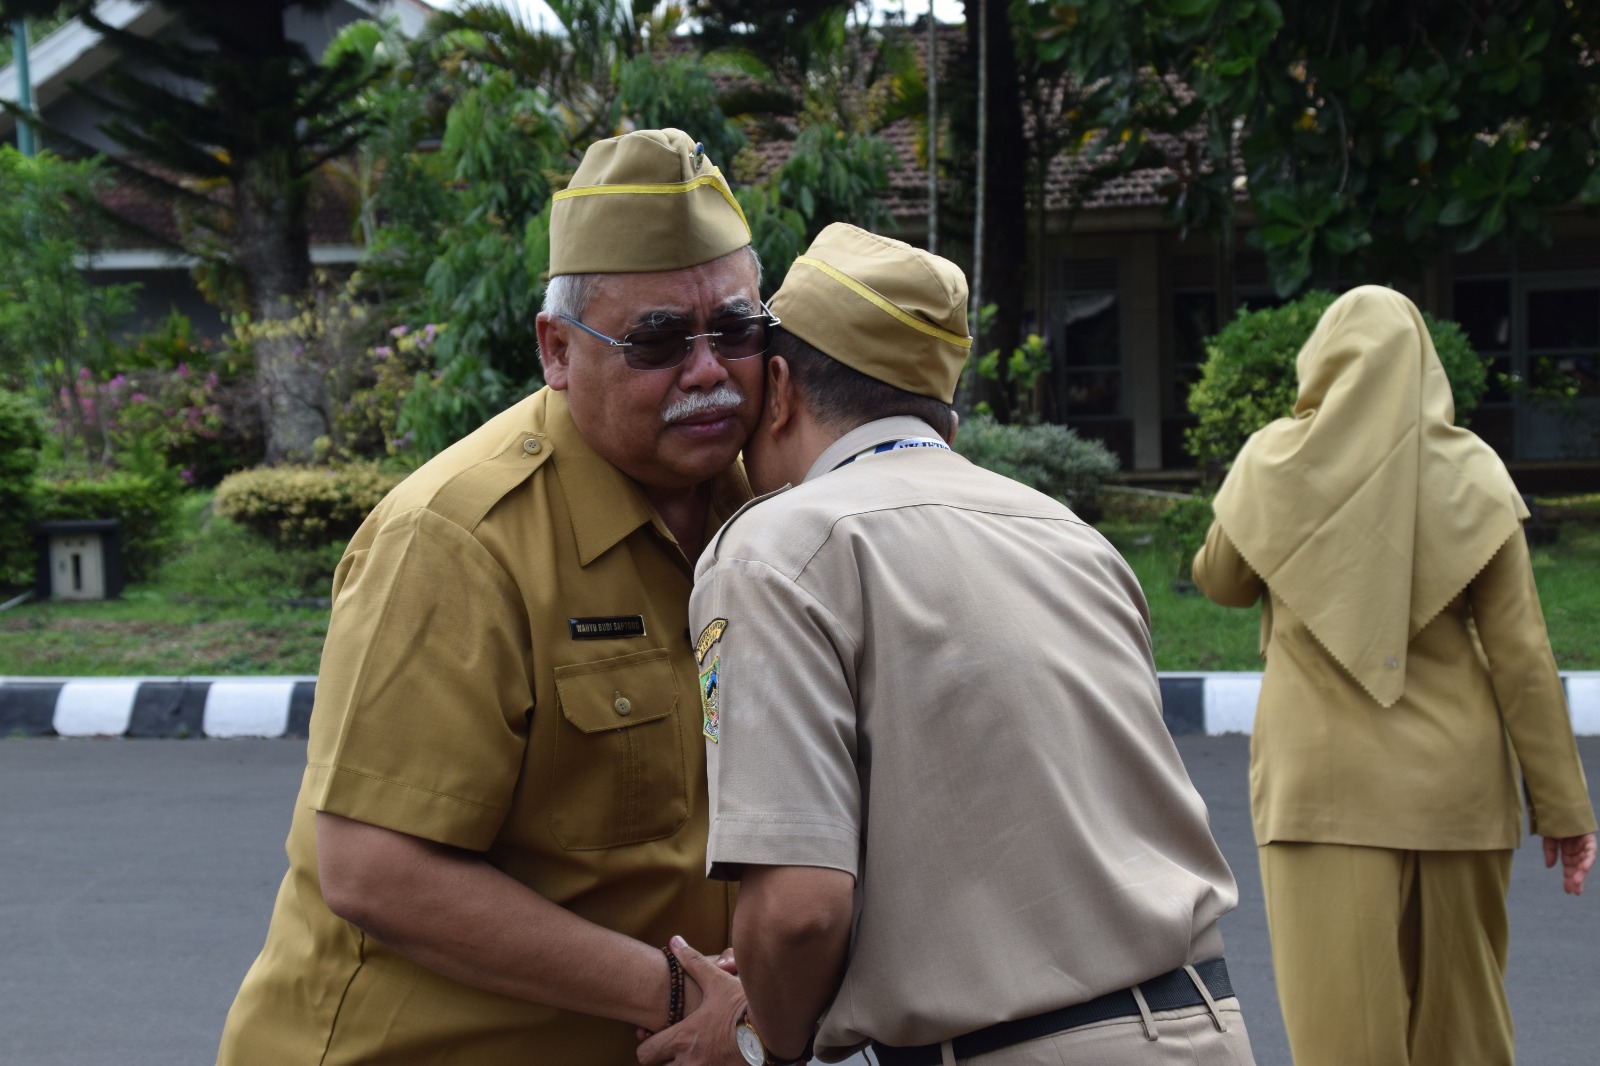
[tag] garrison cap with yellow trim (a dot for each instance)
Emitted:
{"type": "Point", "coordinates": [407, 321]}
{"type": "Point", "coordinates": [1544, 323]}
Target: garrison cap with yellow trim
{"type": "Point", "coordinates": [645, 201]}
{"type": "Point", "coordinates": [877, 305]}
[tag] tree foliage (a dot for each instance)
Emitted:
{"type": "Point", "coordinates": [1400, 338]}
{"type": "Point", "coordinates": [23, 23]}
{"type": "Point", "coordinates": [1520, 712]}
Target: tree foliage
{"type": "Point", "coordinates": [1370, 133]}
{"type": "Point", "coordinates": [57, 329]}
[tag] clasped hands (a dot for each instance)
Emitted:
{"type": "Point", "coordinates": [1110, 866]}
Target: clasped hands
{"type": "Point", "coordinates": [713, 1003]}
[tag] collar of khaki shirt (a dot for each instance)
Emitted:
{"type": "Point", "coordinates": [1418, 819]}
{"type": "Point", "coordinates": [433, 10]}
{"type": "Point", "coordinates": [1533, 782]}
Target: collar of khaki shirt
{"type": "Point", "coordinates": [866, 436]}
{"type": "Point", "coordinates": [605, 504]}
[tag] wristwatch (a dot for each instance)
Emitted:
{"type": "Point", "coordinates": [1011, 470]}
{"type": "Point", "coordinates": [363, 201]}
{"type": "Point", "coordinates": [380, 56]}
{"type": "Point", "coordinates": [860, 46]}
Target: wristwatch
{"type": "Point", "coordinates": [754, 1051]}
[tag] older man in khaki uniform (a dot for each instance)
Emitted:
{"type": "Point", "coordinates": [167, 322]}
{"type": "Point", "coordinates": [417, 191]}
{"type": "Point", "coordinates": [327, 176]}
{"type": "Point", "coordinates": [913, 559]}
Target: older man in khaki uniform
{"type": "Point", "coordinates": [936, 752]}
{"type": "Point", "coordinates": [503, 815]}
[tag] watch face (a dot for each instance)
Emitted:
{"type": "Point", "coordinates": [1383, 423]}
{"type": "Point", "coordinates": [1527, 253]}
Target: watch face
{"type": "Point", "coordinates": [750, 1045]}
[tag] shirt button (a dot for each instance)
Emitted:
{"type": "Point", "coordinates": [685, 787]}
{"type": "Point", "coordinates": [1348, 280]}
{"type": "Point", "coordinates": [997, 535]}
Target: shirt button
{"type": "Point", "coordinates": [622, 705]}
{"type": "Point", "coordinates": [531, 446]}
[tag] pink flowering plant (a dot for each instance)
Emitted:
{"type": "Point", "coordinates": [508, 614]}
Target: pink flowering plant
{"type": "Point", "coordinates": [184, 405]}
{"type": "Point", "coordinates": [368, 421]}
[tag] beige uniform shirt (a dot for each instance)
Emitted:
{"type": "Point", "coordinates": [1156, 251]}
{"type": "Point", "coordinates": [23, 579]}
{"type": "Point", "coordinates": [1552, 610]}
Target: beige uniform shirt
{"type": "Point", "coordinates": [1444, 768]}
{"type": "Point", "coordinates": [508, 671]}
{"type": "Point", "coordinates": [928, 676]}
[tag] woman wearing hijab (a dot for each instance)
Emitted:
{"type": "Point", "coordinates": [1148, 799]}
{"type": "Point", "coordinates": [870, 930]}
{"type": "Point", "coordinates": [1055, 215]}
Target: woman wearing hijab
{"type": "Point", "coordinates": [1409, 694]}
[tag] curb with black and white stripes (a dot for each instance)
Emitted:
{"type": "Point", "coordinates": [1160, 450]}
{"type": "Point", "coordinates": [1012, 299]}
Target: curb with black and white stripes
{"type": "Point", "coordinates": [1192, 703]}
{"type": "Point", "coordinates": [156, 706]}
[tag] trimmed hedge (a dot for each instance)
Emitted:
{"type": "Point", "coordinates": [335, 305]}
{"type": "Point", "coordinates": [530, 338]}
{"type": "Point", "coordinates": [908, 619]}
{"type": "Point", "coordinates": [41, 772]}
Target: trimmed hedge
{"type": "Point", "coordinates": [1249, 378]}
{"type": "Point", "coordinates": [1047, 457]}
{"type": "Point", "coordinates": [146, 506]}
{"type": "Point", "coordinates": [304, 506]}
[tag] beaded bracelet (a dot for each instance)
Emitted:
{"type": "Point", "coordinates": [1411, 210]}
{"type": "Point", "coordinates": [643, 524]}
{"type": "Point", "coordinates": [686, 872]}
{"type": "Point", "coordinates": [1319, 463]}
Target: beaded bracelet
{"type": "Point", "coordinates": [674, 988]}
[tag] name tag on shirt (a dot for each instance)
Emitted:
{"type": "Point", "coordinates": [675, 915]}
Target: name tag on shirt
{"type": "Point", "coordinates": [608, 627]}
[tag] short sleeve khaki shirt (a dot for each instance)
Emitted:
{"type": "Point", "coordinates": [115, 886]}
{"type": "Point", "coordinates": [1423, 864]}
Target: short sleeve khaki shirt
{"type": "Point", "coordinates": [507, 670]}
{"type": "Point", "coordinates": [930, 677]}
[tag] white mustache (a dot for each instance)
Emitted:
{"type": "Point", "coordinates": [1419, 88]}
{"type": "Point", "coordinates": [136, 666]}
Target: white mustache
{"type": "Point", "coordinates": [723, 399]}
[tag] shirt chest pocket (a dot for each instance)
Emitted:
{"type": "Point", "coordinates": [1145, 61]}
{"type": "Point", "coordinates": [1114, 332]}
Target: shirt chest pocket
{"type": "Point", "coordinates": [618, 767]}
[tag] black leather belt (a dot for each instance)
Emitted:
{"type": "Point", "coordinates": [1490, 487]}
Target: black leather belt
{"type": "Point", "coordinates": [1167, 992]}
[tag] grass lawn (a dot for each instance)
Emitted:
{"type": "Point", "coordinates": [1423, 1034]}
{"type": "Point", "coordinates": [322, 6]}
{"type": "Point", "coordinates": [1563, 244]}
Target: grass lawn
{"type": "Point", "coordinates": [144, 637]}
{"type": "Point", "coordinates": [228, 604]}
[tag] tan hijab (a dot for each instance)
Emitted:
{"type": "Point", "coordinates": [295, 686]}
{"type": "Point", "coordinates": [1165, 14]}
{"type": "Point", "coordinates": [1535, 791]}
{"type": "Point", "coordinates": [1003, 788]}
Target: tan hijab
{"type": "Point", "coordinates": [1368, 511]}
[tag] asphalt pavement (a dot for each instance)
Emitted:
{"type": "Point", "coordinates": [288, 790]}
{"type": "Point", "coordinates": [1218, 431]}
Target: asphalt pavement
{"type": "Point", "coordinates": [137, 877]}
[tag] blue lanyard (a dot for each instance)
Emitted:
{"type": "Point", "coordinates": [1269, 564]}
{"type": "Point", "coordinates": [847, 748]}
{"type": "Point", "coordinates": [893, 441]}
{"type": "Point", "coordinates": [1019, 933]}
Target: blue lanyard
{"type": "Point", "coordinates": [895, 446]}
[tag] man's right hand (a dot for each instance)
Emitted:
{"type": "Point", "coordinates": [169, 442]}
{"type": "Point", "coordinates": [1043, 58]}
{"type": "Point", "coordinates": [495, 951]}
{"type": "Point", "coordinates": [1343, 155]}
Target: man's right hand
{"type": "Point", "coordinates": [1577, 855]}
{"type": "Point", "coordinates": [714, 1003]}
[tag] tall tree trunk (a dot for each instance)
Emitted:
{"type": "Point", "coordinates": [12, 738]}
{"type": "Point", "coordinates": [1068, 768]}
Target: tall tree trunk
{"type": "Point", "coordinates": [1005, 227]}
{"type": "Point", "coordinates": [274, 258]}
{"type": "Point", "coordinates": [271, 242]}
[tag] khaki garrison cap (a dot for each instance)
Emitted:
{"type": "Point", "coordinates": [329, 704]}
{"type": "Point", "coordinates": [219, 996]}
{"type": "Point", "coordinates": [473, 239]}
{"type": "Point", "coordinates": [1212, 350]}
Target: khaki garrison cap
{"type": "Point", "coordinates": [646, 201]}
{"type": "Point", "coordinates": [877, 305]}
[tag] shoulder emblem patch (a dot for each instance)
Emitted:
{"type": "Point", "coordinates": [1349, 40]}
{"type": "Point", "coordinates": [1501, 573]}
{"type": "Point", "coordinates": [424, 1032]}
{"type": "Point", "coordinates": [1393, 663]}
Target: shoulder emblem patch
{"type": "Point", "coordinates": [710, 690]}
{"type": "Point", "coordinates": [709, 636]}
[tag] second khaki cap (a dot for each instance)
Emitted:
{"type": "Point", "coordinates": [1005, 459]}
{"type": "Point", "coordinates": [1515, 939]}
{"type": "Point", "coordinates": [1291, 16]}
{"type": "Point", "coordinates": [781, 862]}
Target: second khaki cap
{"type": "Point", "coordinates": [893, 312]}
{"type": "Point", "coordinates": [645, 201]}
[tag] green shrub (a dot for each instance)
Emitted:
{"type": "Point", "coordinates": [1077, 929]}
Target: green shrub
{"type": "Point", "coordinates": [1183, 530]}
{"type": "Point", "coordinates": [1248, 378]}
{"type": "Point", "coordinates": [21, 433]}
{"type": "Point", "coordinates": [304, 507]}
{"type": "Point", "coordinates": [1050, 458]}
{"type": "Point", "coordinates": [146, 505]}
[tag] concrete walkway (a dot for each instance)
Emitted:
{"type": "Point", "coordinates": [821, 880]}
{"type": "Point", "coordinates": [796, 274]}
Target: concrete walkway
{"type": "Point", "coordinates": [1211, 704]}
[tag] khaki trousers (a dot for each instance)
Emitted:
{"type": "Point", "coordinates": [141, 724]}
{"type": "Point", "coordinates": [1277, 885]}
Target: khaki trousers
{"type": "Point", "coordinates": [1390, 958]}
{"type": "Point", "coordinates": [1184, 1037]}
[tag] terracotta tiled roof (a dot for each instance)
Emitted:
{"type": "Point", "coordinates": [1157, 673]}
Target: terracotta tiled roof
{"type": "Point", "coordinates": [908, 186]}
{"type": "Point", "coordinates": [907, 196]}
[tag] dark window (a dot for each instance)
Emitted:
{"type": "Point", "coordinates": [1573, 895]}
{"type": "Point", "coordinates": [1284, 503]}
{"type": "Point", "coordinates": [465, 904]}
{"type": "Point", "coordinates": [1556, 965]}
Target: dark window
{"type": "Point", "coordinates": [1091, 334]}
{"type": "Point", "coordinates": [1195, 318]}
{"type": "Point", "coordinates": [1564, 318]}
{"type": "Point", "coordinates": [1483, 308]}
{"type": "Point", "coordinates": [1093, 392]}
{"type": "Point", "coordinates": [1091, 356]}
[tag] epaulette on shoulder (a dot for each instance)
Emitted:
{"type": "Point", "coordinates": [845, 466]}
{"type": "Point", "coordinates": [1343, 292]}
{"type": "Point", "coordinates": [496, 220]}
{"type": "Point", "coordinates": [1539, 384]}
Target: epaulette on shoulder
{"type": "Point", "coordinates": [472, 491]}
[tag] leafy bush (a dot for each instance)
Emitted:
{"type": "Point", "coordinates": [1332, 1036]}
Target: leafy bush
{"type": "Point", "coordinates": [304, 507]}
{"type": "Point", "coordinates": [145, 504]}
{"type": "Point", "coordinates": [1249, 379]}
{"type": "Point", "coordinates": [366, 420]}
{"type": "Point", "coordinates": [180, 403]}
{"type": "Point", "coordinates": [1050, 458]}
{"type": "Point", "coordinates": [1183, 530]}
{"type": "Point", "coordinates": [21, 433]}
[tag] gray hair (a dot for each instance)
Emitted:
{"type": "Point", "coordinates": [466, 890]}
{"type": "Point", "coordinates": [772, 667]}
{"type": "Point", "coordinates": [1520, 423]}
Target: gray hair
{"type": "Point", "coordinates": [568, 294]}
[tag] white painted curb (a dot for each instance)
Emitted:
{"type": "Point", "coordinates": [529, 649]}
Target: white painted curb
{"type": "Point", "coordinates": [95, 707]}
{"type": "Point", "coordinates": [248, 708]}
